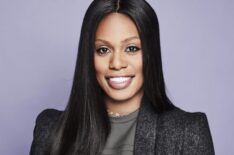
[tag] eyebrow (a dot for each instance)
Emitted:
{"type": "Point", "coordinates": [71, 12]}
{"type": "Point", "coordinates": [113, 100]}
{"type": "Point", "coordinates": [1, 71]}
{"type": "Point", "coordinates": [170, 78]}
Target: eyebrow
{"type": "Point", "coordinates": [125, 40]}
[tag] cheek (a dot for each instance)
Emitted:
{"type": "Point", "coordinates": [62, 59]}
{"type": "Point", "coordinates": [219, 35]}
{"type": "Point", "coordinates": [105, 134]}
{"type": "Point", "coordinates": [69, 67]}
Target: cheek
{"type": "Point", "coordinates": [140, 64]}
{"type": "Point", "coordinates": [100, 68]}
{"type": "Point", "coordinates": [137, 64]}
{"type": "Point", "coordinates": [138, 67]}
{"type": "Point", "coordinates": [139, 70]}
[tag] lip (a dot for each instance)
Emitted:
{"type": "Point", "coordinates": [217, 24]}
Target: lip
{"type": "Point", "coordinates": [120, 83]}
{"type": "Point", "coordinates": [112, 76]}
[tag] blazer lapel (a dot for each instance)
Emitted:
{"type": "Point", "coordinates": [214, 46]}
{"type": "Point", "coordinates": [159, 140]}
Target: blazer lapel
{"type": "Point", "coordinates": [145, 130]}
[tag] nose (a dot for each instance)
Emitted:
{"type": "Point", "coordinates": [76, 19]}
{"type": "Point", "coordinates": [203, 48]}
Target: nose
{"type": "Point", "coordinates": [118, 61]}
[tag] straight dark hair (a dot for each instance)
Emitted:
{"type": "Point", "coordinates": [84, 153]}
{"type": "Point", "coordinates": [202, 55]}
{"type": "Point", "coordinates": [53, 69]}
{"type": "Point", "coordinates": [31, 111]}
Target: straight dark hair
{"type": "Point", "coordinates": [84, 126]}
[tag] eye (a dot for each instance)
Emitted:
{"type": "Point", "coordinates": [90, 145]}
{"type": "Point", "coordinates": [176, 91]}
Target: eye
{"type": "Point", "coordinates": [102, 50]}
{"type": "Point", "coordinates": [132, 49]}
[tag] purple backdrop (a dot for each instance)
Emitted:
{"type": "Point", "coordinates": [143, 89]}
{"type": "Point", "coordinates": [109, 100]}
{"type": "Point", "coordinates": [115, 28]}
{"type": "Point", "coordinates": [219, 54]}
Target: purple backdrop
{"type": "Point", "coordinates": [38, 47]}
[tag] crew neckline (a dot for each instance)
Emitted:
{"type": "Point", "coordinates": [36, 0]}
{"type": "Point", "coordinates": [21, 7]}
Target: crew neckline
{"type": "Point", "coordinates": [125, 118]}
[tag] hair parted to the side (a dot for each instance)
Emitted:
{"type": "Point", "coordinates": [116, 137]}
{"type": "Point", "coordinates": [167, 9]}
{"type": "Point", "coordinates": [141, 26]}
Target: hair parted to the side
{"type": "Point", "coordinates": [84, 125]}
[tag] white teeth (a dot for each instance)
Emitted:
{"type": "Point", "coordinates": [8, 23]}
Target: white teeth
{"type": "Point", "coordinates": [119, 79]}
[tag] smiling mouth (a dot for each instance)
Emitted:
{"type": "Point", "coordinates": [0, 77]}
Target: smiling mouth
{"type": "Point", "coordinates": [119, 82]}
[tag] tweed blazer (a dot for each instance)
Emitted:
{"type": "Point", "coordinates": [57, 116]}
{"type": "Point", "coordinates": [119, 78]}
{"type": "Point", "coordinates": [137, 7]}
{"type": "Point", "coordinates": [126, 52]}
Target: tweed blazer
{"type": "Point", "coordinates": [174, 132]}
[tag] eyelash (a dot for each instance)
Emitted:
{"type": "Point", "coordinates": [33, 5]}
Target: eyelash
{"type": "Point", "coordinates": [100, 52]}
{"type": "Point", "coordinates": [133, 50]}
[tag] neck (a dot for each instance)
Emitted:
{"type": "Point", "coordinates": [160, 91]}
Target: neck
{"type": "Point", "coordinates": [124, 107]}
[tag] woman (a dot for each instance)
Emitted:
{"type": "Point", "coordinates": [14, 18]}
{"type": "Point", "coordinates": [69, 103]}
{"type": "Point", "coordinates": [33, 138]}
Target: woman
{"type": "Point", "coordinates": [118, 104]}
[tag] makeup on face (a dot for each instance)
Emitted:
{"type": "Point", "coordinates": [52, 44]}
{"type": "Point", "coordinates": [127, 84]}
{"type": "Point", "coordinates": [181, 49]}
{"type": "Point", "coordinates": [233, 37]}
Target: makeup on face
{"type": "Point", "coordinates": [118, 58]}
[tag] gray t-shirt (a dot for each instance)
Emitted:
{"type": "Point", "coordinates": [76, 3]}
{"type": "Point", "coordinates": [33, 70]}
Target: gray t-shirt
{"type": "Point", "coordinates": [121, 138]}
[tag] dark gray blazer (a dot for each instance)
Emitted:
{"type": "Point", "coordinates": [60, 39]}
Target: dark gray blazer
{"type": "Point", "coordinates": [172, 133]}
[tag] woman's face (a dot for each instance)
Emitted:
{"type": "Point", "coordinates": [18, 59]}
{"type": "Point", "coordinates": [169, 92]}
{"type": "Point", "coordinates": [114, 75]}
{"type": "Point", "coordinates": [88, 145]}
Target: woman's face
{"type": "Point", "coordinates": [118, 58]}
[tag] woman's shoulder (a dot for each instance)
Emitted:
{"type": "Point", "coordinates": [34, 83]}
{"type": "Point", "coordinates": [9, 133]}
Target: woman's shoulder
{"type": "Point", "coordinates": [48, 115]}
{"type": "Point", "coordinates": [179, 122]}
{"type": "Point", "coordinates": [179, 115]}
{"type": "Point", "coordinates": [45, 122]}
{"type": "Point", "coordinates": [181, 119]}
{"type": "Point", "coordinates": [189, 129]}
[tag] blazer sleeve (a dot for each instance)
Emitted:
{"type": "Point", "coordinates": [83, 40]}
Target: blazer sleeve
{"type": "Point", "coordinates": [45, 121]}
{"type": "Point", "coordinates": [197, 138]}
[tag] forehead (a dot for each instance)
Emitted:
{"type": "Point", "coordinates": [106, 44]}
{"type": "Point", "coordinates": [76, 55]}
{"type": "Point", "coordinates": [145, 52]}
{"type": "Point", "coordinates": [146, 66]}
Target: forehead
{"type": "Point", "coordinates": [116, 27]}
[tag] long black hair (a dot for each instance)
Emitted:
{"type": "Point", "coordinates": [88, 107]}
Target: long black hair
{"type": "Point", "coordinates": [84, 125]}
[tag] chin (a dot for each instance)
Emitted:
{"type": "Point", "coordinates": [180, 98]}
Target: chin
{"type": "Point", "coordinates": [123, 95]}
{"type": "Point", "coordinates": [119, 97]}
